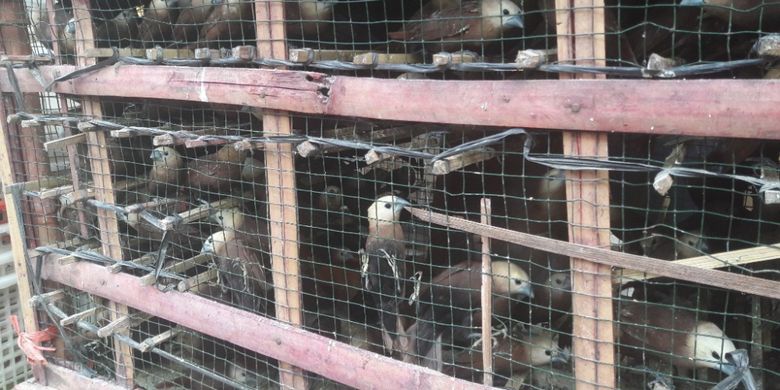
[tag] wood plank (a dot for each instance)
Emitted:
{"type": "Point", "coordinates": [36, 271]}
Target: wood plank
{"type": "Point", "coordinates": [64, 378]}
{"type": "Point", "coordinates": [458, 161]}
{"type": "Point", "coordinates": [713, 261]}
{"type": "Point", "coordinates": [104, 188]}
{"type": "Point", "coordinates": [332, 359]}
{"type": "Point", "coordinates": [580, 28]}
{"type": "Point", "coordinates": [704, 108]}
{"type": "Point", "coordinates": [14, 216]}
{"type": "Point", "coordinates": [486, 297]}
{"type": "Point", "coordinates": [281, 189]}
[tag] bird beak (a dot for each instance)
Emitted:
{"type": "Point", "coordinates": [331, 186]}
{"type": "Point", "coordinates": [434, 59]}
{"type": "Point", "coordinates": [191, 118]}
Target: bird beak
{"type": "Point", "coordinates": [738, 364]}
{"type": "Point", "coordinates": [514, 21]}
{"type": "Point", "coordinates": [156, 155]}
{"type": "Point", "coordinates": [526, 290]}
{"type": "Point", "coordinates": [692, 3]}
{"type": "Point", "coordinates": [70, 28]}
{"type": "Point", "coordinates": [560, 355]}
{"type": "Point", "coordinates": [401, 203]}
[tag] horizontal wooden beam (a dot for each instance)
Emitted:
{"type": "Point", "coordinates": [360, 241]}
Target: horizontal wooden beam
{"type": "Point", "coordinates": [338, 361]}
{"type": "Point", "coordinates": [712, 108]}
{"type": "Point", "coordinates": [675, 270]}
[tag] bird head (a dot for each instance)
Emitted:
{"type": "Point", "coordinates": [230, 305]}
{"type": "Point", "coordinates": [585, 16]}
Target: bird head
{"type": "Point", "coordinates": [229, 218]}
{"type": "Point", "coordinates": [229, 153]}
{"type": "Point", "coordinates": [560, 282]}
{"type": "Point", "coordinates": [70, 28]}
{"type": "Point", "coordinates": [553, 185]}
{"type": "Point", "coordinates": [711, 346]}
{"type": "Point", "coordinates": [216, 241]}
{"type": "Point", "coordinates": [691, 244]}
{"type": "Point", "coordinates": [503, 13]}
{"type": "Point", "coordinates": [387, 209]}
{"type": "Point", "coordinates": [316, 9]}
{"type": "Point", "coordinates": [164, 156]}
{"type": "Point", "coordinates": [253, 170]}
{"type": "Point", "coordinates": [510, 279]}
{"type": "Point", "coordinates": [545, 348]}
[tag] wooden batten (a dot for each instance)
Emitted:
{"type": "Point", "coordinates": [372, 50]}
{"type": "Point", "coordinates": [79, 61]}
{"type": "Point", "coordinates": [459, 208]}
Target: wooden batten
{"type": "Point", "coordinates": [376, 58]}
{"type": "Point", "coordinates": [194, 282]}
{"type": "Point", "coordinates": [154, 341]}
{"type": "Point", "coordinates": [486, 298]}
{"type": "Point", "coordinates": [310, 149]}
{"type": "Point", "coordinates": [306, 55]}
{"type": "Point", "coordinates": [74, 318]}
{"type": "Point", "coordinates": [180, 266]}
{"type": "Point", "coordinates": [458, 161]}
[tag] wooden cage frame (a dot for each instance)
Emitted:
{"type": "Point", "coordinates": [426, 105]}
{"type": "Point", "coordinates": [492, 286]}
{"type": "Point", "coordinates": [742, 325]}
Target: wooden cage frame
{"type": "Point", "coordinates": [587, 109]}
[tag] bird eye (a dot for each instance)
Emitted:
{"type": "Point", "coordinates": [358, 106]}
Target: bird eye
{"type": "Point", "coordinates": [715, 355]}
{"type": "Point", "coordinates": [506, 12]}
{"type": "Point", "coordinates": [547, 352]}
{"type": "Point", "coordinates": [387, 205]}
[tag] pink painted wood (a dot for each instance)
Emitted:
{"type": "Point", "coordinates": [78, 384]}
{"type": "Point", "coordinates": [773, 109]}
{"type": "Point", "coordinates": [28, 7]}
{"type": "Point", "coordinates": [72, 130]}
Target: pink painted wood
{"type": "Point", "coordinates": [311, 352]}
{"type": "Point", "coordinates": [714, 108]}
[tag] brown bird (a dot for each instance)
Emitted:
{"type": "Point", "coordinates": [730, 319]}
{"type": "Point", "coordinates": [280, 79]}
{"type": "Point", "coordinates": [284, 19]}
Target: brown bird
{"type": "Point", "coordinates": [552, 299]}
{"type": "Point", "coordinates": [216, 172]}
{"type": "Point", "coordinates": [240, 269]}
{"type": "Point", "coordinates": [230, 20]}
{"type": "Point", "coordinates": [746, 14]}
{"type": "Point", "coordinates": [513, 354]}
{"type": "Point", "coordinates": [675, 334]}
{"type": "Point", "coordinates": [386, 269]}
{"type": "Point", "coordinates": [64, 30]}
{"type": "Point", "coordinates": [251, 229]}
{"type": "Point", "coordinates": [190, 20]}
{"type": "Point", "coordinates": [158, 18]}
{"type": "Point", "coordinates": [167, 171]}
{"type": "Point", "coordinates": [465, 26]}
{"type": "Point", "coordinates": [449, 303]}
{"type": "Point", "coordinates": [683, 246]}
{"type": "Point", "coordinates": [121, 31]}
{"type": "Point", "coordinates": [308, 18]}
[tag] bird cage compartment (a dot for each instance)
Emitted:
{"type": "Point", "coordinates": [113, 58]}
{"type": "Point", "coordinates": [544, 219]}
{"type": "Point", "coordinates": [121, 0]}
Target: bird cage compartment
{"type": "Point", "coordinates": [359, 194]}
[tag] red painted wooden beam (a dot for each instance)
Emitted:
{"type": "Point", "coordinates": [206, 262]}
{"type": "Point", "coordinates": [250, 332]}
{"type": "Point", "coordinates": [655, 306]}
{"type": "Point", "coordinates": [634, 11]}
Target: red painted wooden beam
{"type": "Point", "coordinates": [715, 108]}
{"type": "Point", "coordinates": [332, 359]}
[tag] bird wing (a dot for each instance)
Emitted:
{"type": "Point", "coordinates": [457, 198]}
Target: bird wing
{"type": "Point", "coordinates": [241, 271]}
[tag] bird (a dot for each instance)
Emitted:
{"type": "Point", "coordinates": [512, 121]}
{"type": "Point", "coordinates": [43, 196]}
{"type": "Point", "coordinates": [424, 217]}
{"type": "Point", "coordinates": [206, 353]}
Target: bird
{"type": "Point", "coordinates": [308, 19]}
{"type": "Point", "coordinates": [230, 20]}
{"type": "Point", "coordinates": [513, 354]}
{"type": "Point", "coordinates": [167, 171]}
{"type": "Point", "coordinates": [121, 31]}
{"type": "Point", "coordinates": [240, 269]}
{"type": "Point", "coordinates": [216, 172]}
{"type": "Point", "coordinates": [449, 303]}
{"type": "Point", "coordinates": [552, 298]}
{"type": "Point", "coordinates": [673, 333]}
{"type": "Point", "coordinates": [63, 30]}
{"type": "Point", "coordinates": [745, 14]}
{"type": "Point", "coordinates": [385, 262]}
{"type": "Point", "coordinates": [466, 26]}
{"type": "Point", "coordinates": [190, 19]}
{"type": "Point", "coordinates": [251, 229]}
{"type": "Point", "coordinates": [681, 245]}
{"type": "Point", "coordinates": [156, 27]}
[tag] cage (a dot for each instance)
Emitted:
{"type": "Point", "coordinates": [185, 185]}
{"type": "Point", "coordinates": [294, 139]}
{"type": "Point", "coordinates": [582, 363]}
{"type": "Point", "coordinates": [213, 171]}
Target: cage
{"type": "Point", "coordinates": [358, 193]}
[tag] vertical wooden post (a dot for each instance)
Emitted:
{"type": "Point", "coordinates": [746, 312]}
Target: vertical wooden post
{"type": "Point", "coordinates": [18, 245]}
{"type": "Point", "coordinates": [580, 29]}
{"type": "Point", "coordinates": [282, 194]}
{"type": "Point", "coordinates": [104, 188]}
{"type": "Point", "coordinates": [487, 299]}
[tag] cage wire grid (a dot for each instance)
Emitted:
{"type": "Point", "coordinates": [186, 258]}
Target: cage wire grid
{"type": "Point", "coordinates": [209, 195]}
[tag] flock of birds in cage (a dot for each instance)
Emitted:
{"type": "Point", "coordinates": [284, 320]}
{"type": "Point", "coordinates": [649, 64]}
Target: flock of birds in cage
{"type": "Point", "coordinates": [680, 32]}
{"type": "Point", "coordinates": [375, 277]}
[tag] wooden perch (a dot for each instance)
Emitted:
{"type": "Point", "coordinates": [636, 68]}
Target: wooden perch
{"type": "Point", "coordinates": [458, 161]}
{"type": "Point", "coordinates": [65, 142]}
{"type": "Point", "coordinates": [128, 185]}
{"type": "Point", "coordinates": [374, 58]}
{"type": "Point", "coordinates": [178, 267]}
{"type": "Point", "coordinates": [55, 192]}
{"type": "Point", "coordinates": [306, 55]}
{"type": "Point", "coordinates": [75, 196]}
{"type": "Point", "coordinates": [459, 57]}
{"type": "Point", "coordinates": [768, 46]}
{"type": "Point", "coordinates": [143, 260]}
{"type": "Point", "coordinates": [121, 323]}
{"type": "Point", "coordinates": [532, 59]}
{"type": "Point", "coordinates": [72, 319]}
{"type": "Point", "coordinates": [197, 280]}
{"type": "Point", "coordinates": [141, 53]}
{"type": "Point", "coordinates": [51, 296]}
{"type": "Point", "coordinates": [176, 139]}
{"type": "Point", "coordinates": [713, 261]}
{"type": "Point", "coordinates": [45, 183]}
{"type": "Point", "coordinates": [202, 212]}
{"type": "Point", "coordinates": [310, 149]}
{"type": "Point", "coordinates": [420, 142]}
{"type": "Point", "coordinates": [152, 342]}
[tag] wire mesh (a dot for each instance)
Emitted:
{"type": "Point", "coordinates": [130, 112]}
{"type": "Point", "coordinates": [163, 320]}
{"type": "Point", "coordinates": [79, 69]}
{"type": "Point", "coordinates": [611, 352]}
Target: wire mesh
{"type": "Point", "coordinates": [446, 39]}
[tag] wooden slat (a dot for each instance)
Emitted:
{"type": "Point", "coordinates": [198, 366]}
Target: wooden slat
{"type": "Point", "coordinates": [580, 28]}
{"type": "Point", "coordinates": [486, 295]}
{"type": "Point", "coordinates": [281, 190]}
{"type": "Point", "coordinates": [711, 108]}
{"type": "Point", "coordinates": [332, 359]}
{"type": "Point", "coordinates": [64, 142]}
{"type": "Point", "coordinates": [104, 188]}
